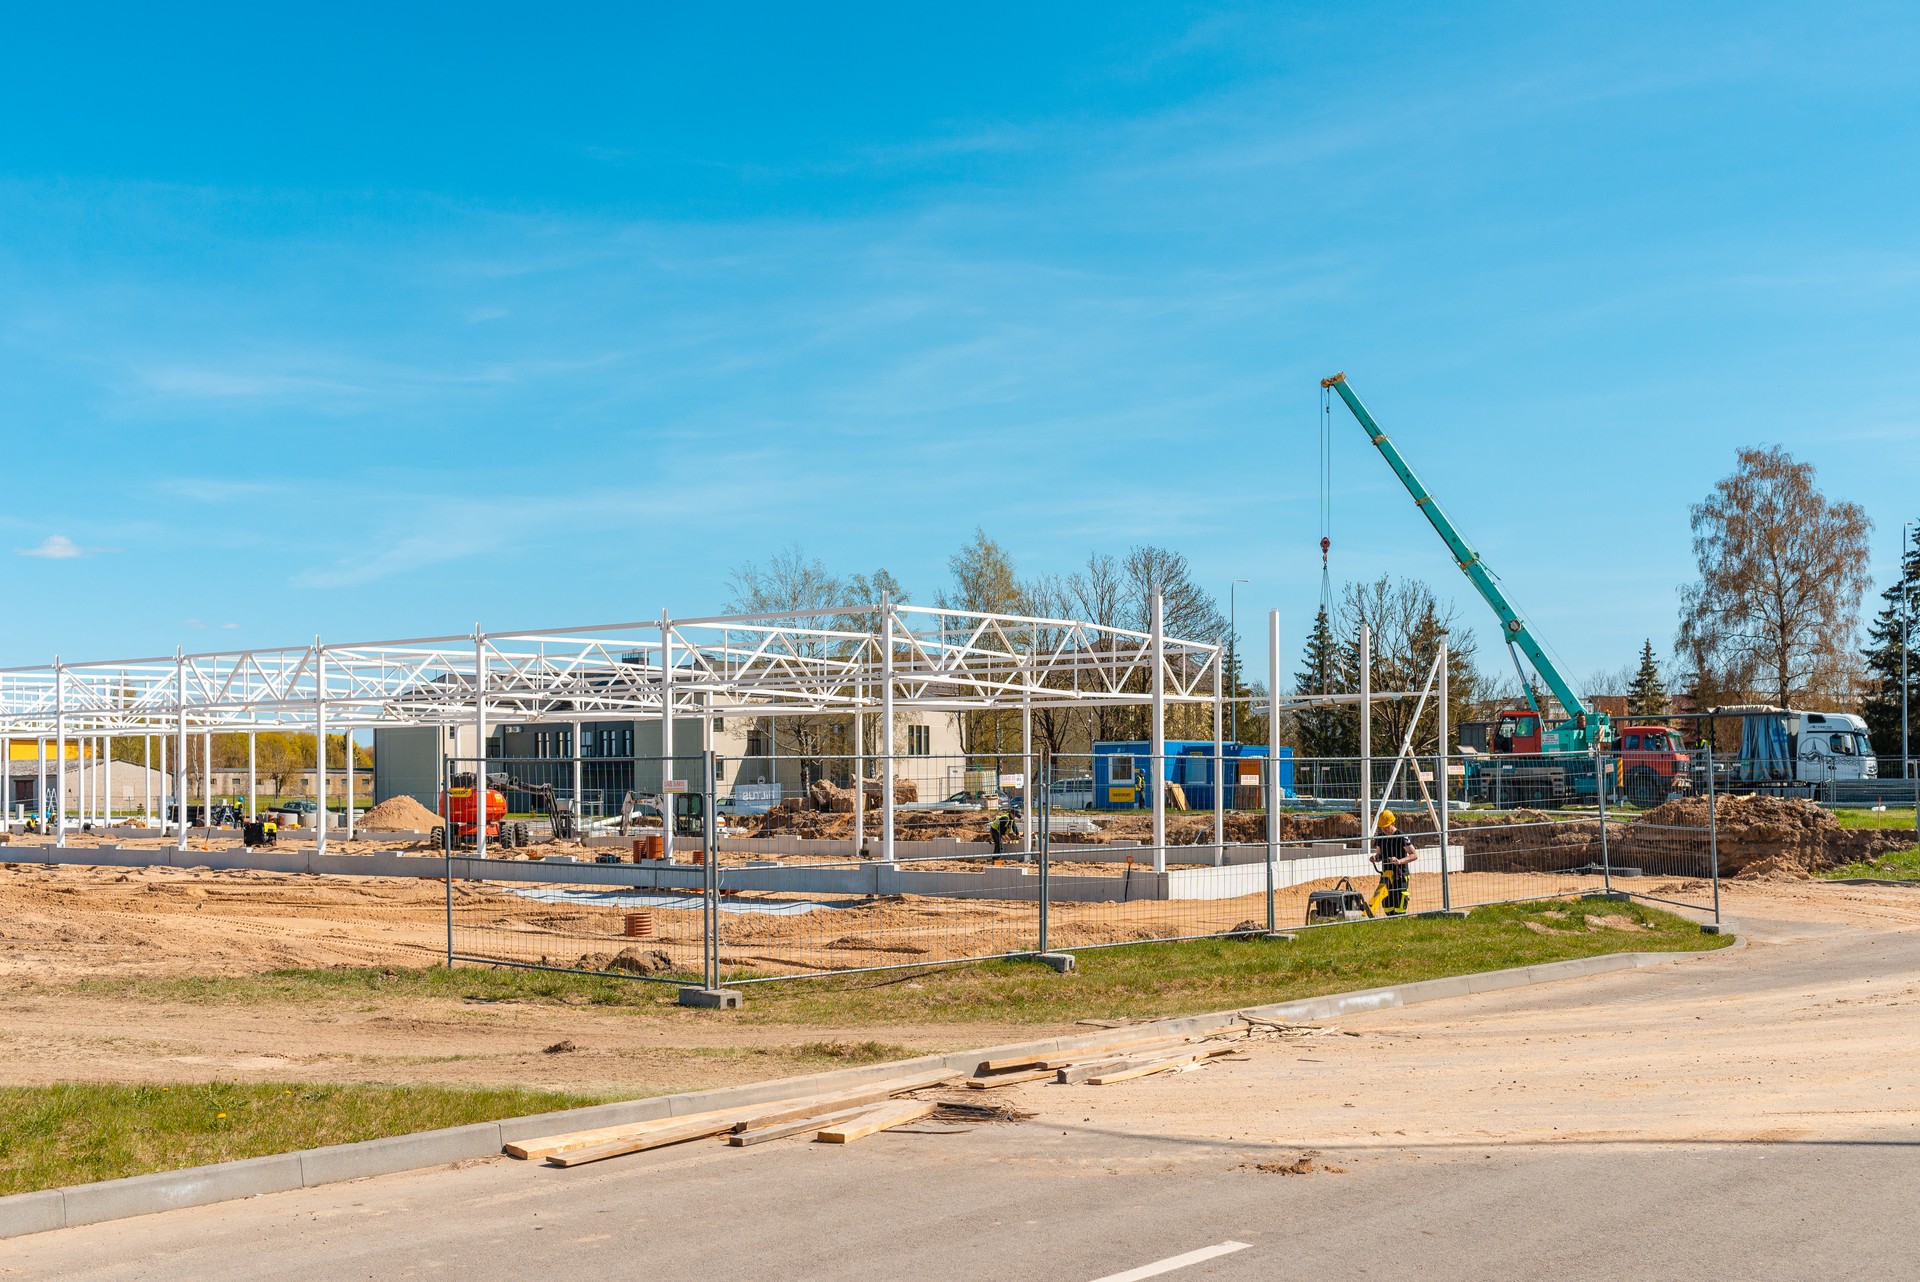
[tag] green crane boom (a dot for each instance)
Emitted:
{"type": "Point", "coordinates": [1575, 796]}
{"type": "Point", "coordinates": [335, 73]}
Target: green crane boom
{"type": "Point", "coordinates": [1584, 730]}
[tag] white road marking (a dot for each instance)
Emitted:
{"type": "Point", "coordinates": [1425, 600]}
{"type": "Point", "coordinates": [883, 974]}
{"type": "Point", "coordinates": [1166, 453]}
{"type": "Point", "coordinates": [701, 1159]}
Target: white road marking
{"type": "Point", "coordinates": [1173, 1262]}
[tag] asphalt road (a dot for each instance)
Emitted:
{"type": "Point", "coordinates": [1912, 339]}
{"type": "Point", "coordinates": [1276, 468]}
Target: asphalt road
{"type": "Point", "coordinates": [1068, 1204]}
{"type": "Point", "coordinates": [1112, 1184]}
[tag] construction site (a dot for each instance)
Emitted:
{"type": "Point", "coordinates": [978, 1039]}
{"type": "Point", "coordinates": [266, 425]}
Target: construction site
{"type": "Point", "coordinates": [579, 861]}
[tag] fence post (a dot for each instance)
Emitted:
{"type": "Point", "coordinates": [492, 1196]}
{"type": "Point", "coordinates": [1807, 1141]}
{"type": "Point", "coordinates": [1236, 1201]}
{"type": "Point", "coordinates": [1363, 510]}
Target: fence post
{"type": "Point", "coordinates": [1713, 837]}
{"type": "Point", "coordinates": [710, 860]}
{"type": "Point", "coordinates": [1440, 778]}
{"type": "Point", "coordinates": [1601, 777]}
{"type": "Point", "coordinates": [1273, 758]}
{"type": "Point", "coordinates": [1045, 816]}
{"type": "Point", "coordinates": [446, 844]}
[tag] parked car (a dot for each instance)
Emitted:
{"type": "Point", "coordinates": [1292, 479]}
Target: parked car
{"type": "Point", "coordinates": [1071, 794]}
{"type": "Point", "coordinates": [958, 801]}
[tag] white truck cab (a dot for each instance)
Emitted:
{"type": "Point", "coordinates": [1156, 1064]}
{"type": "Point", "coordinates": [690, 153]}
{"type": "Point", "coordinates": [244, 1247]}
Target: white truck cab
{"type": "Point", "coordinates": [1788, 745]}
{"type": "Point", "coordinates": [1832, 745]}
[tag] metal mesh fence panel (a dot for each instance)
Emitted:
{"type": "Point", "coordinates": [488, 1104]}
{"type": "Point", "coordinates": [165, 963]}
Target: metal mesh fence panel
{"type": "Point", "coordinates": [607, 901]}
{"type": "Point", "coordinates": [761, 874]}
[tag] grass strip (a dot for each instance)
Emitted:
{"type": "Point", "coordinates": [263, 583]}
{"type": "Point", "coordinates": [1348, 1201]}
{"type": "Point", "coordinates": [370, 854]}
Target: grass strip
{"type": "Point", "coordinates": [52, 1136]}
{"type": "Point", "coordinates": [1901, 819]}
{"type": "Point", "coordinates": [1136, 980]}
{"type": "Point", "coordinates": [1894, 865]}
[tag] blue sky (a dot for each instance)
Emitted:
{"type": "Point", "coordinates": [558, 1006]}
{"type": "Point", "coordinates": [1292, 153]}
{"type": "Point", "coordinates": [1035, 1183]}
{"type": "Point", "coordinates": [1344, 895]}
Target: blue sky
{"type": "Point", "coordinates": [345, 323]}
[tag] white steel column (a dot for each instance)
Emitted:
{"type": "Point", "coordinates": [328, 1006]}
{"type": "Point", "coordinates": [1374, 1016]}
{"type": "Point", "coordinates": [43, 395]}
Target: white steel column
{"type": "Point", "coordinates": [253, 777]}
{"type": "Point", "coordinates": [1157, 749]}
{"type": "Point", "coordinates": [60, 752]}
{"type": "Point", "coordinates": [6, 783]}
{"type": "Point", "coordinates": [1273, 734]}
{"type": "Point", "coordinates": [106, 779]}
{"type": "Point", "coordinates": [180, 754]}
{"type": "Point", "coordinates": [480, 750]}
{"type": "Point", "coordinates": [206, 768]}
{"type": "Point", "coordinates": [348, 738]}
{"type": "Point", "coordinates": [1219, 769]}
{"type": "Point", "coordinates": [666, 708]}
{"type": "Point", "coordinates": [146, 788]}
{"type": "Point", "coordinates": [40, 782]}
{"type": "Point", "coordinates": [886, 728]}
{"type": "Point", "coordinates": [319, 748]}
{"type": "Point", "coordinates": [859, 767]}
{"type": "Point", "coordinates": [579, 796]}
{"type": "Point", "coordinates": [1026, 762]}
{"type": "Point", "coordinates": [1366, 740]}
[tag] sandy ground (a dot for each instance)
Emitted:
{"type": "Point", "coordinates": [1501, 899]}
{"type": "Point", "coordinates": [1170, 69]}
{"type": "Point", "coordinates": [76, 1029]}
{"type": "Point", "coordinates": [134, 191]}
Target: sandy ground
{"type": "Point", "coordinates": [1807, 1033]}
{"type": "Point", "coordinates": [62, 924]}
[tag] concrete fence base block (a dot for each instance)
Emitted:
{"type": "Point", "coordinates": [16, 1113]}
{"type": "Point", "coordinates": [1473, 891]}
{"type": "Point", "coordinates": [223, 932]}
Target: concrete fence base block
{"type": "Point", "coordinates": [712, 998]}
{"type": "Point", "coordinates": [1060, 963]}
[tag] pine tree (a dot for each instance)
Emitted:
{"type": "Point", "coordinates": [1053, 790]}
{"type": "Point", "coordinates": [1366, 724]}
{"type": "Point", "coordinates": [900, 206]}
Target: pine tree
{"type": "Point", "coordinates": [1325, 730]}
{"type": "Point", "coordinates": [1647, 696]}
{"type": "Point", "coordinates": [1882, 706]}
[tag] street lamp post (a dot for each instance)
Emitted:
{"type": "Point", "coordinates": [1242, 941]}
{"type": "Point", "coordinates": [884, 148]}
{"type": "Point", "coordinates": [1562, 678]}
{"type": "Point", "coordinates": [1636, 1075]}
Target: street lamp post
{"type": "Point", "coordinates": [1906, 766]}
{"type": "Point", "coordinates": [1233, 672]}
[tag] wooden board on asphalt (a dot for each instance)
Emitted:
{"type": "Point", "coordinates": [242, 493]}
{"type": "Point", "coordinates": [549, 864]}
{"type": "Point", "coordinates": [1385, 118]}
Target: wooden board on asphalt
{"type": "Point", "coordinates": [874, 1121]}
{"type": "Point", "coordinates": [1146, 1068]}
{"type": "Point", "coordinates": [740, 1118]}
{"type": "Point", "coordinates": [691, 1128]}
{"type": "Point", "coordinates": [1007, 1079]}
{"type": "Point", "coordinates": [761, 1134]}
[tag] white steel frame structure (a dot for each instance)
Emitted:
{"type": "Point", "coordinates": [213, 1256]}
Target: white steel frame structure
{"type": "Point", "coordinates": [879, 659]}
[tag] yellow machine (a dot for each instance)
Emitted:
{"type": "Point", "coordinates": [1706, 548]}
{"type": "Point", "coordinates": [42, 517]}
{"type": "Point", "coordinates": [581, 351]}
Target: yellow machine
{"type": "Point", "coordinates": [1389, 897]}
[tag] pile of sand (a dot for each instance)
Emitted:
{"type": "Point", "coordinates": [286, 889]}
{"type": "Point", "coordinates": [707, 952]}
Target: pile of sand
{"type": "Point", "coordinates": [398, 814]}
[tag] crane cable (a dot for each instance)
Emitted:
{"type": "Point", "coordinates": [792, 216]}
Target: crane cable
{"type": "Point", "coordinates": [1326, 517]}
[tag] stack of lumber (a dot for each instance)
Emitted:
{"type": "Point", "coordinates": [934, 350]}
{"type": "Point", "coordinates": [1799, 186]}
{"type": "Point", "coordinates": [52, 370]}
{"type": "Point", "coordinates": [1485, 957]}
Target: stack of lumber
{"type": "Point", "coordinates": [1118, 1060]}
{"type": "Point", "coordinates": [838, 1117]}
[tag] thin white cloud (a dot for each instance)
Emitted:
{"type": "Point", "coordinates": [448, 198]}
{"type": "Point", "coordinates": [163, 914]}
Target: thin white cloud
{"type": "Point", "coordinates": [58, 547]}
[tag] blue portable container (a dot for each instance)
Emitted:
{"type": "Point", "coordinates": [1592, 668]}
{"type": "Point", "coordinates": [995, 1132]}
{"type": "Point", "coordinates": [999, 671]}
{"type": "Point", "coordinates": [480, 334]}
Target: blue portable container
{"type": "Point", "coordinates": [1119, 767]}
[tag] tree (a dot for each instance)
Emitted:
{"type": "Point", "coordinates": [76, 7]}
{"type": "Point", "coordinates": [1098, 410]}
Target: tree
{"type": "Point", "coordinates": [1647, 694]}
{"type": "Point", "coordinates": [1782, 571]}
{"type": "Point", "coordinates": [1897, 619]}
{"type": "Point", "coordinates": [1324, 730]}
{"type": "Point", "coordinates": [1406, 620]}
{"type": "Point", "coordinates": [794, 582]}
{"type": "Point", "coordinates": [790, 581]}
{"type": "Point", "coordinates": [984, 581]}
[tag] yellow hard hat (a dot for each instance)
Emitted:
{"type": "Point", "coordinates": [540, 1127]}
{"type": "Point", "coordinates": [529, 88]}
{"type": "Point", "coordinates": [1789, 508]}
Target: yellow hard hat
{"type": "Point", "coordinates": [1387, 818]}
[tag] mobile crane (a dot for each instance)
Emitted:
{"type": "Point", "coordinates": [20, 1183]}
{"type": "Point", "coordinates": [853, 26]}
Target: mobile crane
{"type": "Point", "coordinates": [1652, 772]}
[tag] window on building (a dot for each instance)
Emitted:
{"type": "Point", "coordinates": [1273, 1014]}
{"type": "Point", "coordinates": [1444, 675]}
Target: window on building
{"type": "Point", "coordinates": [919, 741]}
{"type": "Point", "coordinates": [757, 744]}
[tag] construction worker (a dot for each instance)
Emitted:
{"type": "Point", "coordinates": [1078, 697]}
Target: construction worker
{"type": "Point", "coordinates": [1002, 829]}
{"type": "Point", "coordinates": [1140, 801]}
{"type": "Point", "coordinates": [1393, 856]}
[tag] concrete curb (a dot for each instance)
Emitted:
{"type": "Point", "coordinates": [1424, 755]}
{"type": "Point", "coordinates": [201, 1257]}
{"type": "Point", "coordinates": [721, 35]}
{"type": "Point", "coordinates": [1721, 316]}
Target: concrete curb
{"type": "Point", "coordinates": [24, 1213]}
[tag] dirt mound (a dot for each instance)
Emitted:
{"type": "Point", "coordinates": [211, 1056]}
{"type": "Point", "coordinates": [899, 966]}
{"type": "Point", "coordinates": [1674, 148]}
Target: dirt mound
{"type": "Point", "coordinates": [398, 814]}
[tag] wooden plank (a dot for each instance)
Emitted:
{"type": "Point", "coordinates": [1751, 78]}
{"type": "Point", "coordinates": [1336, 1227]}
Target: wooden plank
{"type": "Point", "coordinates": [739, 1118]}
{"type": "Point", "coordinates": [793, 1110]}
{"type": "Point", "coordinates": [547, 1145]}
{"type": "Point", "coordinates": [1007, 1079]}
{"type": "Point", "coordinates": [1074, 1074]}
{"type": "Point", "coordinates": [692, 1128]}
{"type": "Point", "coordinates": [761, 1134]}
{"type": "Point", "coordinates": [1149, 1067]}
{"type": "Point", "coordinates": [1065, 1060]}
{"type": "Point", "coordinates": [874, 1121]}
{"type": "Point", "coordinates": [1117, 1046]}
